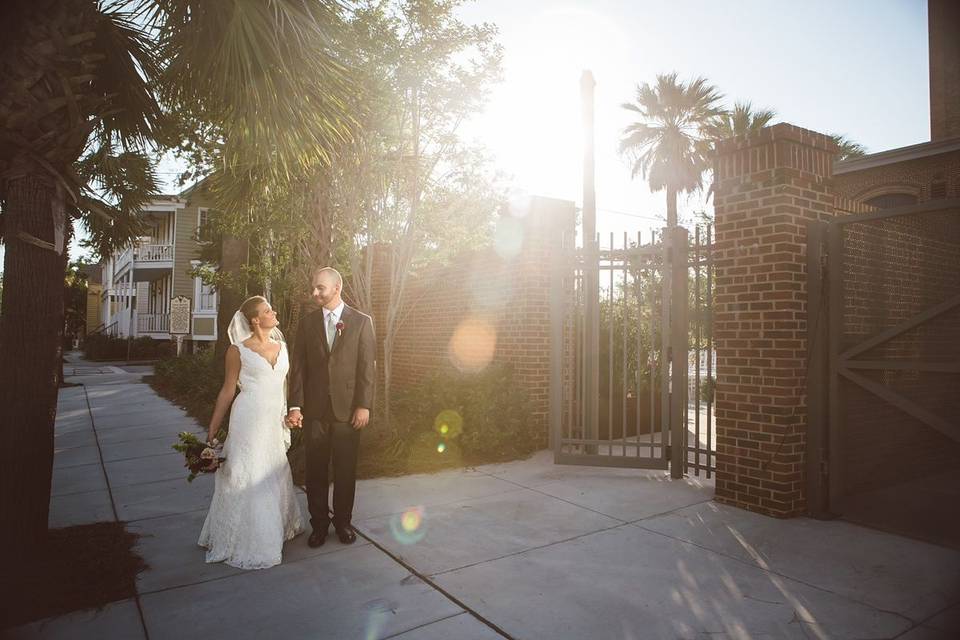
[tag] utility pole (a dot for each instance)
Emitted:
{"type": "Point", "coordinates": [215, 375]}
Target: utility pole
{"type": "Point", "coordinates": [591, 269]}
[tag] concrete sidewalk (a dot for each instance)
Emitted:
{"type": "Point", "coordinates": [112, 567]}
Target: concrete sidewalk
{"type": "Point", "coordinates": [519, 550]}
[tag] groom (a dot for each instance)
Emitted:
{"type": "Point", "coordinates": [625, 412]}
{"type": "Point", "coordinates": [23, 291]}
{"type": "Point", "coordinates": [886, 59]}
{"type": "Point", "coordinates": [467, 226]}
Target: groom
{"type": "Point", "coordinates": [330, 395]}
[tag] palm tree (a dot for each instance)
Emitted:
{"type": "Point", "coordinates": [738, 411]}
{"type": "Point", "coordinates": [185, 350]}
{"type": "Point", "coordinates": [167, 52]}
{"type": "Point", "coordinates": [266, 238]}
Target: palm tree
{"type": "Point", "coordinates": [81, 88]}
{"type": "Point", "coordinates": [668, 145]}
{"type": "Point", "coordinates": [848, 148]}
{"type": "Point", "coordinates": [742, 120]}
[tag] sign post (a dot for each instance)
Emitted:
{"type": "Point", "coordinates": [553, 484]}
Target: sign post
{"type": "Point", "coordinates": [179, 320]}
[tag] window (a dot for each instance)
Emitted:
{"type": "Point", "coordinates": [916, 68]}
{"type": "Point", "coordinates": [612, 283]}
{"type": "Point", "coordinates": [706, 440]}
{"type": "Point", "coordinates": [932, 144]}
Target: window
{"type": "Point", "coordinates": [205, 295]}
{"type": "Point", "coordinates": [207, 300]}
{"type": "Point", "coordinates": [203, 225]}
{"type": "Point", "coordinates": [892, 200]}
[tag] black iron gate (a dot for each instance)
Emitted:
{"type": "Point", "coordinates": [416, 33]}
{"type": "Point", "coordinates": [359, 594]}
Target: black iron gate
{"type": "Point", "coordinates": [626, 385]}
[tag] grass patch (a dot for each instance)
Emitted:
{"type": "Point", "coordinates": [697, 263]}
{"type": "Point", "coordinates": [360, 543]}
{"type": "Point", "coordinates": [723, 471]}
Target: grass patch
{"type": "Point", "coordinates": [81, 567]}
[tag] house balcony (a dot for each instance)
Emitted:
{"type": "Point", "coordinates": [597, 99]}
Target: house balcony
{"type": "Point", "coordinates": [119, 289]}
{"type": "Point", "coordinates": [151, 261]}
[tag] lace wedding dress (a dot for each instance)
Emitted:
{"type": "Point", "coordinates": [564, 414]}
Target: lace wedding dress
{"type": "Point", "coordinates": [254, 508]}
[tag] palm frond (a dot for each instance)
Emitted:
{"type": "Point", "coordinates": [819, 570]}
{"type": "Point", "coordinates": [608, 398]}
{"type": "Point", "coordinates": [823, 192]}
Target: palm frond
{"type": "Point", "coordinates": [268, 72]}
{"type": "Point", "coordinates": [742, 120]}
{"type": "Point", "coordinates": [127, 69]}
{"type": "Point", "coordinates": [664, 145]}
{"type": "Point", "coordinates": [117, 186]}
{"type": "Point", "coordinates": [848, 148]}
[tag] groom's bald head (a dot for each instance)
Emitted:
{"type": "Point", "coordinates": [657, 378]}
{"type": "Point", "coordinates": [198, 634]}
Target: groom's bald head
{"type": "Point", "coordinates": [330, 274]}
{"type": "Point", "coordinates": [325, 286]}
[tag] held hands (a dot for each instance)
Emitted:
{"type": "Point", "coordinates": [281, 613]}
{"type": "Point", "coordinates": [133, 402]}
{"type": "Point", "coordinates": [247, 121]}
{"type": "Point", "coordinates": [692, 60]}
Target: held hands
{"type": "Point", "coordinates": [294, 419]}
{"type": "Point", "coordinates": [361, 417]}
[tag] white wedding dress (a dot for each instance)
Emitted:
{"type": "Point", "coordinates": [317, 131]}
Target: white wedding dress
{"type": "Point", "coordinates": [254, 507]}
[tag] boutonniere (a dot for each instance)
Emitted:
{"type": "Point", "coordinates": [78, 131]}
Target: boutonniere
{"type": "Point", "coordinates": [339, 328]}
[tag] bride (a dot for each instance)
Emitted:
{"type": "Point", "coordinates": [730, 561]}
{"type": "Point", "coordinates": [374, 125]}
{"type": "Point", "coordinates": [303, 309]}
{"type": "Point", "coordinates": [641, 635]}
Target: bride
{"type": "Point", "coordinates": [254, 508]}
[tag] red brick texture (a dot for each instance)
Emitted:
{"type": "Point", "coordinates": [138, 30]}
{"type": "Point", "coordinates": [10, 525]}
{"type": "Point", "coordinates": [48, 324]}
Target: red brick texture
{"type": "Point", "coordinates": [927, 178]}
{"type": "Point", "coordinates": [483, 306]}
{"type": "Point", "coordinates": [767, 188]}
{"type": "Point", "coordinates": [944, 43]}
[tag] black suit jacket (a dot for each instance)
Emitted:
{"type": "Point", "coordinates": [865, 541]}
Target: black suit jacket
{"type": "Point", "coordinates": [346, 374]}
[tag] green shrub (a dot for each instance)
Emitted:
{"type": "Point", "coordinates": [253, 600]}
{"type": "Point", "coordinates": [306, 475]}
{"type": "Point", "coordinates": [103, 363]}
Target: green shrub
{"type": "Point", "coordinates": [192, 381]}
{"type": "Point", "coordinates": [99, 347]}
{"type": "Point", "coordinates": [494, 417]}
{"type": "Point", "coordinates": [487, 414]}
{"type": "Point", "coordinates": [708, 389]}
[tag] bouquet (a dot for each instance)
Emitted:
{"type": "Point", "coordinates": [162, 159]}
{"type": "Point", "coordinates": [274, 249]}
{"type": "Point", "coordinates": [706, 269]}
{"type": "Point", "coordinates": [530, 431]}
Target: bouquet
{"type": "Point", "coordinates": [200, 457]}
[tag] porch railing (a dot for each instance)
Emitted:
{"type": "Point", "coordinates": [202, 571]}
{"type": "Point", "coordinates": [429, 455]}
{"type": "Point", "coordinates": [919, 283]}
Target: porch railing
{"type": "Point", "coordinates": [153, 323]}
{"type": "Point", "coordinates": [106, 329]}
{"type": "Point", "coordinates": [153, 253]}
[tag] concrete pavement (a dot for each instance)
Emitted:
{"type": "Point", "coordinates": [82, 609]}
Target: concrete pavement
{"type": "Point", "coordinates": [519, 550]}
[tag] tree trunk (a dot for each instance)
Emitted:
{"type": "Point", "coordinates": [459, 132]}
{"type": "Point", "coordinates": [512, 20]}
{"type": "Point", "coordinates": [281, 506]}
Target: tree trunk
{"type": "Point", "coordinates": [388, 381]}
{"type": "Point", "coordinates": [671, 207]}
{"type": "Point", "coordinates": [31, 326]}
{"type": "Point", "coordinates": [233, 257]}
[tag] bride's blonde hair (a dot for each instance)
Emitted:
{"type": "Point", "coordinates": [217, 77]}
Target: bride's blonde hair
{"type": "Point", "coordinates": [250, 307]}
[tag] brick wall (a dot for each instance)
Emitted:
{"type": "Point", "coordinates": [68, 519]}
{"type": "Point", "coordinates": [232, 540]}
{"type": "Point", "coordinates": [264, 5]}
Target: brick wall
{"type": "Point", "coordinates": [767, 188]}
{"type": "Point", "coordinates": [484, 306]}
{"type": "Point", "coordinates": [916, 177]}
{"type": "Point", "coordinates": [944, 44]}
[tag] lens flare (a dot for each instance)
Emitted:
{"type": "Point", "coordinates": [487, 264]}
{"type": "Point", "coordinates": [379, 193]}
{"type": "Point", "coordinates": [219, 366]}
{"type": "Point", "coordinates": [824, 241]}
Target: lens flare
{"type": "Point", "coordinates": [519, 205]}
{"type": "Point", "coordinates": [410, 526]}
{"type": "Point", "coordinates": [448, 423]}
{"type": "Point", "coordinates": [472, 345]}
{"type": "Point", "coordinates": [378, 613]}
{"type": "Point", "coordinates": [508, 237]}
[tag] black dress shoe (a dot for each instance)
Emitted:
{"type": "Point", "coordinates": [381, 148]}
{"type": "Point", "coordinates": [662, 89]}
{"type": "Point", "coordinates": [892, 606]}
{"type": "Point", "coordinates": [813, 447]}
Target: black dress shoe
{"type": "Point", "coordinates": [346, 535]}
{"type": "Point", "coordinates": [317, 538]}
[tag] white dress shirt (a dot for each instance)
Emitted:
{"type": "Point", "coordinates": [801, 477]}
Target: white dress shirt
{"type": "Point", "coordinates": [336, 313]}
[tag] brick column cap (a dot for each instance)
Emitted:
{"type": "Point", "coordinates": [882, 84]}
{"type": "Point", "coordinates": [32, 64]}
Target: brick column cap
{"type": "Point", "coordinates": [780, 147]}
{"type": "Point", "coordinates": [783, 132]}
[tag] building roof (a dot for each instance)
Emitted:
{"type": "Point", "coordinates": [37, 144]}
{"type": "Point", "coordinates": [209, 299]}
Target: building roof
{"type": "Point", "coordinates": [196, 185]}
{"type": "Point", "coordinates": [893, 156]}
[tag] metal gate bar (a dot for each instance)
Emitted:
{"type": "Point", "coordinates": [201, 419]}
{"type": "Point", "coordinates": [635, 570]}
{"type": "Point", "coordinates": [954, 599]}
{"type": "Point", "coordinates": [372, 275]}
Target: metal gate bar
{"type": "Point", "coordinates": [640, 301]}
{"type": "Point", "coordinates": [699, 454]}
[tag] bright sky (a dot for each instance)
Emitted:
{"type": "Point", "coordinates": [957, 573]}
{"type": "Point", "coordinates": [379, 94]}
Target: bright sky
{"type": "Point", "coordinates": [856, 67]}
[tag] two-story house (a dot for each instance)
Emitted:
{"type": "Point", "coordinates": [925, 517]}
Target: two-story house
{"type": "Point", "coordinates": [140, 281]}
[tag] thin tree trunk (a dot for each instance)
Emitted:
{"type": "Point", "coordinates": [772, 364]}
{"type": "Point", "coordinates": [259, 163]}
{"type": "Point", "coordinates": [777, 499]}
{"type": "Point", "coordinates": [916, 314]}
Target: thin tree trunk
{"type": "Point", "coordinates": [671, 207]}
{"type": "Point", "coordinates": [67, 238]}
{"type": "Point", "coordinates": [233, 256]}
{"type": "Point", "coordinates": [31, 326]}
{"type": "Point", "coordinates": [387, 382]}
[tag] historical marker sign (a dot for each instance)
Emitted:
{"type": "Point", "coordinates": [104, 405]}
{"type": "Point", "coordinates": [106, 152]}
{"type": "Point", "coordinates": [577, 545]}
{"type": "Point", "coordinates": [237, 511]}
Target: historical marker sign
{"type": "Point", "coordinates": [179, 315]}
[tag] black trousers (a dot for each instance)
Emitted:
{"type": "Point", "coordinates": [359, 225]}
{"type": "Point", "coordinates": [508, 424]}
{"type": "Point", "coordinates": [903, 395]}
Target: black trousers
{"type": "Point", "coordinates": [326, 440]}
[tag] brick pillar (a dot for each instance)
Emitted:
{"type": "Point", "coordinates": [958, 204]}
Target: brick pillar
{"type": "Point", "coordinates": [524, 330]}
{"type": "Point", "coordinates": [768, 187]}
